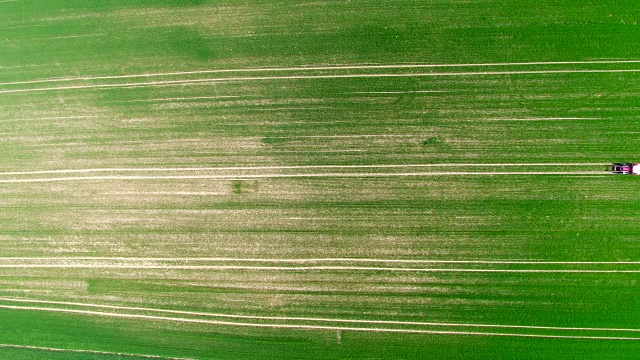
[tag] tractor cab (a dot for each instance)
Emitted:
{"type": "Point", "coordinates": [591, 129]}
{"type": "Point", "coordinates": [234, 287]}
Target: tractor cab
{"type": "Point", "coordinates": [625, 168]}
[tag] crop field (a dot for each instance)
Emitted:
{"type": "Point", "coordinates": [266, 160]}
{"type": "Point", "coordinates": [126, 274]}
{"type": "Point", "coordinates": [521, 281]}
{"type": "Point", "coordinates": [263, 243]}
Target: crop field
{"type": "Point", "coordinates": [354, 179]}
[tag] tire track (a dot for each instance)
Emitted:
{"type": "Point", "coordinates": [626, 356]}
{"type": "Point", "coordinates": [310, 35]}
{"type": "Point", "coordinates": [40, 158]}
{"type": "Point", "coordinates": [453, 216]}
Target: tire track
{"type": "Point", "coordinates": [312, 268]}
{"type": "Point", "coordinates": [292, 167]}
{"type": "Point", "coordinates": [321, 68]}
{"type": "Point", "coordinates": [208, 81]}
{"type": "Point", "coordinates": [308, 327]}
{"type": "Point", "coordinates": [314, 319]}
{"type": "Point", "coordinates": [82, 351]}
{"type": "Point", "coordinates": [279, 176]}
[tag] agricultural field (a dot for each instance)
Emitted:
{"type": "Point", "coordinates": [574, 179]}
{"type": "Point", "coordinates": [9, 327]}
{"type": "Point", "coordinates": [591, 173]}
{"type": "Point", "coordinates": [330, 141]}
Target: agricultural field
{"type": "Point", "coordinates": [354, 179]}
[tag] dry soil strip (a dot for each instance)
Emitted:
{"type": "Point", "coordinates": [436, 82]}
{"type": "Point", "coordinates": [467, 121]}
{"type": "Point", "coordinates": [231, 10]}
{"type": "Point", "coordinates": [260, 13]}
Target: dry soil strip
{"type": "Point", "coordinates": [324, 68]}
{"type": "Point", "coordinates": [208, 81]}
{"type": "Point", "coordinates": [311, 268]}
{"type": "Point", "coordinates": [541, 119]}
{"type": "Point", "coordinates": [320, 260]}
{"type": "Point", "coordinates": [329, 320]}
{"type": "Point", "coordinates": [309, 327]}
{"type": "Point", "coordinates": [51, 118]}
{"type": "Point", "coordinates": [186, 98]}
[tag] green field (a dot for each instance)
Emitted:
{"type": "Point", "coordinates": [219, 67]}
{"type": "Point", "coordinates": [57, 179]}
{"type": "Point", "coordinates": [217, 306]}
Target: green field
{"type": "Point", "coordinates": [355, 179]}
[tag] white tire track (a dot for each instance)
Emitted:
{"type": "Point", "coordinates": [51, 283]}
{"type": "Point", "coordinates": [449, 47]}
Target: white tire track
{"type": "Point", "coordinates": [82, 351]}
{"type": "Point", "coordinates": [208, 81]}
{"type": "Point", "coordinates": [314, 319]}
{"type": "Point", "coordinates": [292, 167]}
{"type": "Point", "coordinates": [322, 68]}
{"type": "Point", "coordinates": [308, 327]}
{"type": "Point", "coordinates": [278, 176]}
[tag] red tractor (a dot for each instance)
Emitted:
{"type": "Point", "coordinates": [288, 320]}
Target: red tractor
{"type": "Point", "coordinates": [625, 168]}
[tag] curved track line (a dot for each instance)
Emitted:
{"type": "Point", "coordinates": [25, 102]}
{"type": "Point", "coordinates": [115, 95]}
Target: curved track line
{"type": "Point", "coordinates": [324, 68]}
{"type": "Point", "coordinates": [308, 327]}
{"type": "Point", "coordinates": [352, 321]}
{"type": "Point", "coordinates": [310, 77]}
{"type": "Point", "coordinates": [81, 351]}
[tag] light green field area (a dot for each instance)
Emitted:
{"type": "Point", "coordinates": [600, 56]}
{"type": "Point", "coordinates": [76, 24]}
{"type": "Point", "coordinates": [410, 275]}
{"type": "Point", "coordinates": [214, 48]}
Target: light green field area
{"type": "Point", "coordinates": [329, 179]}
